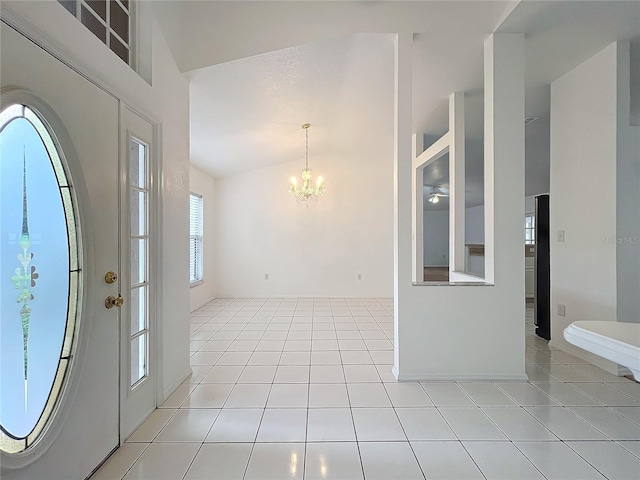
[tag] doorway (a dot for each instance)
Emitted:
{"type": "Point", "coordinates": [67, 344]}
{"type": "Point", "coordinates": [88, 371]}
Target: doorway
{"type": "Point", "coordinates": [87, 405]}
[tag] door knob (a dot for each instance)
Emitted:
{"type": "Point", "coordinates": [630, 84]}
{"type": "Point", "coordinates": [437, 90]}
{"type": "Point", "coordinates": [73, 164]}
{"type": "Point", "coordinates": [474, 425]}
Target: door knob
{"type": "Point", "coordinates": [112, 301]}
{"type": "Point", "coordinates": [110, 277]}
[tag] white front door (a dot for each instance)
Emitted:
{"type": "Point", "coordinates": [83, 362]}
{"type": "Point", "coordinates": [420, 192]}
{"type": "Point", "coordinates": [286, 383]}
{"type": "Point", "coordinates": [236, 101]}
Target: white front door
{"type": "Point", "coordinates": [137, 285]}
{"type": "Point", "coordinates": [83, 425]}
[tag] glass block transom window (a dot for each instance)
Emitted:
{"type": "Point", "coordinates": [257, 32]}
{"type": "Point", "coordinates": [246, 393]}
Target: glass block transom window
{"type": "Point", "coordinates": [109, 20]}
{"type": "Point", "coordinates": [40, 276]}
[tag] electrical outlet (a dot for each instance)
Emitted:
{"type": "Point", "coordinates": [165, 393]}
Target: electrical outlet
{"type": "Point", "coordinates": [560, 235]}
{"type": "Point", "coordinates": [359, 276]}
{"type": "Point", "coordinates": [266, 276]}
{"type": "Point", "coordinates": [562, 309]}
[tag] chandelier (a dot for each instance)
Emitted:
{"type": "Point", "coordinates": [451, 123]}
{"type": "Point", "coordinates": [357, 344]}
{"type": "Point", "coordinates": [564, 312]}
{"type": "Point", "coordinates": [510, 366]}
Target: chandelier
{"type": "Point", "coordinates": [308, 192]}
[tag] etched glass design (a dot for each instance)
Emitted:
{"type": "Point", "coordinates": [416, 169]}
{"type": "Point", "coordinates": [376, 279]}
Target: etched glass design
{"type": "Point", "coordinates": [40, 276]}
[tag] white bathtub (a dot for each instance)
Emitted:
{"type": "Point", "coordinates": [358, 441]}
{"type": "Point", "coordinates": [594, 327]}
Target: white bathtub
{"type": "Point", "coordinates": [615, 341]}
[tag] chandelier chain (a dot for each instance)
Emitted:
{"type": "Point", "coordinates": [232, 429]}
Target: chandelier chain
{"type": "Point", "coordinates": [306, 153]}
{"type": "Point", "coordinates": [306, 192]}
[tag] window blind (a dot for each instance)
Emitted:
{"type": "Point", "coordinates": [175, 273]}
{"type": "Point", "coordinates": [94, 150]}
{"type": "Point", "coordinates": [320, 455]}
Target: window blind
{"type": "Point", "coordinates": [195, 238]}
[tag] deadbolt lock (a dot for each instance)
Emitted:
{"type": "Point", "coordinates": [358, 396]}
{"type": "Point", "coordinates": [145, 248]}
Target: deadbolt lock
{"type": "Point", "coordinates": [110, 277]}
{"type": "Point", "coordinates": [112, 301]}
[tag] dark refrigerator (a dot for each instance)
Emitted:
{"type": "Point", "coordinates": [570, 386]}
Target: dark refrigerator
{"type": "Point", "coordinates": [542, 270]}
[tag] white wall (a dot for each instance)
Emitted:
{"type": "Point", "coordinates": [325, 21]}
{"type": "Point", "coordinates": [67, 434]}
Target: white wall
{"type": "Point", "coordinates": [203, 184]}
{"type": "Point", "coordinates": [436, 234]}
{"type": "Point", "coordinates": [628, 186]}
{"type": "Point", "coordinates": [474, 225]}
{"type": "Point", "coordinates": [308, 251]}
{"type": "Point", "coordinates": [537, 138]}
{"type": "Point", "coordinates": [167, 102]}
{"type": "Point", "coordinates": [319, 250]}
{"type": "Point", "coordinates": [634, 112]}
{"type": "Point", "coordinates": [436, 238]}
{"type": "Point", "coordinates": [530, 204]}
{"type": "Point", "coordinates": [584, 159]}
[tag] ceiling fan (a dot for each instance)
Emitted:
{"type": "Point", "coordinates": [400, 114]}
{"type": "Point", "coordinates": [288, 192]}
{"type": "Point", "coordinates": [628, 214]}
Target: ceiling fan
{"type": "Point", "coordinates": [435, 193]}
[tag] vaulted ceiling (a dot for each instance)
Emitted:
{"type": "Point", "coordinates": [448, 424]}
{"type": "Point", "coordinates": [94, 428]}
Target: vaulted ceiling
{"type": "Point", "coordinates": [258, 70]}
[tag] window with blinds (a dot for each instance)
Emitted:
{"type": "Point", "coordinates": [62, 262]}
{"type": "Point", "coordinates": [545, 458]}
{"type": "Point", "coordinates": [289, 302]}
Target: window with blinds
{"type": "Point", "coordinates": [195, 239]}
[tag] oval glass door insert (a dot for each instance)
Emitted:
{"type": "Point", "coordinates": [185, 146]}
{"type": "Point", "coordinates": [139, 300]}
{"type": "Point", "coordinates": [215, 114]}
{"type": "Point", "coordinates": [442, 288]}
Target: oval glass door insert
{"type": "Point", "coordinates": [39, 276]}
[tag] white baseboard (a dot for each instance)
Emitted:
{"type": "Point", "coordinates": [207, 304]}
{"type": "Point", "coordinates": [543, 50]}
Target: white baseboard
{"type": "Point", "coordinates": [437, 377]}
{"type": "Point", "coordinates": [172, 388]}
{"type": "Point", "coordinates": [602, 363]}
{"type": "Point", "coordinates": [201, 304]}
{"type": "Point", "coordinates": [624, 371]}
{"type": "Point", "coordinates": [306, 297]}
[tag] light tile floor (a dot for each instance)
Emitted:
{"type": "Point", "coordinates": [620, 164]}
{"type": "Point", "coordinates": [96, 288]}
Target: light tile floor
{"type": "Point", "coordinates": [302, 388]}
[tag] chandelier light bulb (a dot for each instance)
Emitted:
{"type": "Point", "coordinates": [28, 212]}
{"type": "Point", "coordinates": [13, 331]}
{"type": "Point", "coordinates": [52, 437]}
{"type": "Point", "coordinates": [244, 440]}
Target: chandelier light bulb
{"type": "Point", "coordinates": [307, 192]}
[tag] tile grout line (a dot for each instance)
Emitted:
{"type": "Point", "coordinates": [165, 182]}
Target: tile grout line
{"type": "Point", "coordinates": [132, 463]}
{"type": "Point", "coordinates": [192, 460]}
{"type": "Point", "coordinates": [306, 425]}
{"type": "Point", "coordinates": [587, 461]}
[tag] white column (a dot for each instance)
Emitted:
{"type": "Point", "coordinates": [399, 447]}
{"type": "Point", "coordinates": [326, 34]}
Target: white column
{"type": "Point", "coordinates": [417, 209]}
{"type": "Point", "coordinates": [456, 183]}
{"type": "Point", "coordinates": [402, 222]}
{"type": "Point", "coordinates": [504, 159]}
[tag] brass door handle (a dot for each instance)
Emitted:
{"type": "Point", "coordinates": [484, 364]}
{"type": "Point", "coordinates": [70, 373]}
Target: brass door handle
{"type": "Point", "coordinates": [110, 277]}
{"type": "Point", "coordinates": [112, 301]}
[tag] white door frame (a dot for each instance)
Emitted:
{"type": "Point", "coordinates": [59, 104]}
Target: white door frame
{"type": "Point", "coordinates": [129, 423]}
